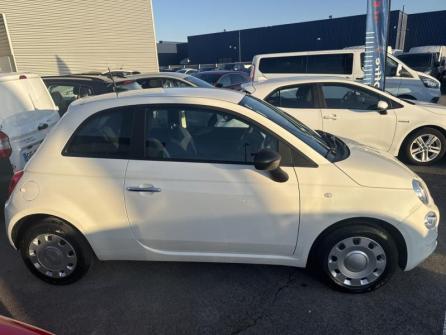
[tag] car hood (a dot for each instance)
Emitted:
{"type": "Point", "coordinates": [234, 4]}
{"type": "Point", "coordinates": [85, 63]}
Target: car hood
{"type": "Point", "coordinates": [373, 168]}
{"type": "Point", "coordinates": [430, 107]}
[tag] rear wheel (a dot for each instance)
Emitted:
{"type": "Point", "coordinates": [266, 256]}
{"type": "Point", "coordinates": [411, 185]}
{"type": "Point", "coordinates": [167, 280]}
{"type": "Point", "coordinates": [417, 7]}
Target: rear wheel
{"type": "Point", "coordinates": [357, 258]}
{"type": "Point", "coordinates": [426, 146]}
{"type": "Point", "coordinates": [55, 252]}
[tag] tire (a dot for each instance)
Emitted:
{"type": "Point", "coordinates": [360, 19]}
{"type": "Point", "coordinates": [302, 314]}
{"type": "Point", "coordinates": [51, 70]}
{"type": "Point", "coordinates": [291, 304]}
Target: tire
{"type": "Point", "coordinates": [411, 146]}
{"type": "Point", "coordinates": [357, 268]}
{"type": "Point", "coordinates": [55, 252]}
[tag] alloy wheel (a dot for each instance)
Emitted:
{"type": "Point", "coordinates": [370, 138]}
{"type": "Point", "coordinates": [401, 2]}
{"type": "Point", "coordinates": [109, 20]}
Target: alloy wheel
{"type": "Point", "coordinates": [425, 148]}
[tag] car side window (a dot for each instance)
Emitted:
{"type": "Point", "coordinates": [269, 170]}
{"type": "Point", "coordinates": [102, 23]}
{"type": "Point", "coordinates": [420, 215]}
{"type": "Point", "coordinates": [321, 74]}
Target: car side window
{"type": "Point", "coordinates": [225, 81]}
{"type": "Point", "coordinates": [237, 79]}
{"type": "Point", "coordinates": [202, 134]}
{"type": "Point", "coordinates": [339, 96]}
{"type": "Point", "coordinates": [85, 91]}
{"type": "Point", "coordinates": [63, 95]}
{"type": "Point", "coordinates": [106, 134]}
{"type": "Point", "coordinates": [293, 97]}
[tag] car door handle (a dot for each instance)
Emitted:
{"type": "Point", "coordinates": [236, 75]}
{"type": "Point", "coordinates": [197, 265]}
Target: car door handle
{"type": "Point", "coordinates": [330, 117]}
{"type": "Point", "coordinates": [144, 189]}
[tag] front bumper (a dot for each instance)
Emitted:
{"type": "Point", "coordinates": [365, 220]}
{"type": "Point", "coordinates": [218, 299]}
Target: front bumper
{"type": "Point", "coordinates": [420, 241]}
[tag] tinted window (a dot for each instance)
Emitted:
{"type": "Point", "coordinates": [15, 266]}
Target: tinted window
{"type": "Point", "coordinates": [292, 64]}
{"type": "Point", "coordinates": [225, 80]}
{"type": "Point", "coordinates": [189, 133]}
{"type": "Point", "coordinates": [295, 127]}
{"type": "Point", "coordinates": [293, 97]}
{"type": "Point", "coordinates": [237, 79]}
{"type": "Point", "coordinates": [338, 96]}
{"type": "Point", "coordinates": [330, 64]}
{"type": "Point", "coordinates": [104, 135]}
{"type": "Point", "coordinates": [209, 77]}
{"type": "Point", "coordinates": [321, 64]}
{"type": "Point", "coordinates": [423, 60]}
{"type": "Point", "coordinates": [198, 82]}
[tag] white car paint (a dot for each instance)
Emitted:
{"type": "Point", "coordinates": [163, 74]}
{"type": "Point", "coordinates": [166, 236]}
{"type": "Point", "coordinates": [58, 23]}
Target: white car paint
{"type": "Point", "coordinates": [26, 115]}
{"type": "Point", "coordinates": [384, 132]}
{"type": "Point", "coordinates": [213, 212]}
{"type": "Point", "coordinates": [406, 82]}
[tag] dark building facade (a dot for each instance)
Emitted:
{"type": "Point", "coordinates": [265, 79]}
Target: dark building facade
{"type": "Point", "coordinates": [405, 31]}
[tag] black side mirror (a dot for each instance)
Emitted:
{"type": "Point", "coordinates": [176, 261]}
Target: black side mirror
{"type": "Point", "coordinates": [269, 160]}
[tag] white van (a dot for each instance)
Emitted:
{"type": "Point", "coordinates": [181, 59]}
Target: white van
{"type": "Point", "coordinates": [27, 113]}
{"type": "Point", "coordinates": [401, 80]}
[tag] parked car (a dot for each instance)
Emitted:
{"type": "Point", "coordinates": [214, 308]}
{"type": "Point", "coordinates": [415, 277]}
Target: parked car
{"type": "Point", "coordinates": [66, 89]}
{"type": "Point", "coordinates": [207, 175]}
{"type": "Point", "coordinates": [27, 113]}
{"type": "Point", "coordinates": [224, 79]}
{"type": "Point", "coordinates": [415, 131]}
{"type": "Point", "coordinates": [428, 59]}
{"type": "Point", "coordinates": [168, 80]}
{"type": "Point", "coordinates": [187, 71]}
{"type": "Point", "coordinates": [401, 80]}
{"type": "Point", "coordinates": [13, 327]}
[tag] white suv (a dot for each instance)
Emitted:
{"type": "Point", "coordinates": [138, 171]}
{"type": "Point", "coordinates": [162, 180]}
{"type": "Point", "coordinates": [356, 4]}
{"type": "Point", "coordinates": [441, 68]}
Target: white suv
{"type": "Point", "coordinates": [211, 175]}
{"type": "Point", "coordinates": [26, 115]}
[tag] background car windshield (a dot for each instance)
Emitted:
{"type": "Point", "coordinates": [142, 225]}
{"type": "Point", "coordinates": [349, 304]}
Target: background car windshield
{"type": "Point", "coordinates": [198, 82]}
{"type": "Point", "coordinates": [211, 78]}
{"type": "Point", "coordinates": [417, 60]}
{"type": "Point", "coordinates": [297, 128]}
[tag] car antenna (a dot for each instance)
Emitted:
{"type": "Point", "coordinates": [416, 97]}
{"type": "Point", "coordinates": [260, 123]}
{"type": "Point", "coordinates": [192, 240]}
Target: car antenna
{"type": "Point", "coordinates": [115, 88]}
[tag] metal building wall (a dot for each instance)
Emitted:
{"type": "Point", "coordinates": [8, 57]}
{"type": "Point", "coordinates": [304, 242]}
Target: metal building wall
{"type": "Point", "coordinates": [426, 29]}
{"type": "Point", "coordinates": [6, 59]}
{"type": "Point", "coordinates": [60, 37]}
{"type": "Point", "coordinates": [306, 36]}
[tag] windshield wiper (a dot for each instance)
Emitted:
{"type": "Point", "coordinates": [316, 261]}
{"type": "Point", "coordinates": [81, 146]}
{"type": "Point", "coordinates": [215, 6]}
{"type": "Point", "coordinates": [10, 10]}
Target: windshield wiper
{"type": "Point", "coordinates": [331, 142]}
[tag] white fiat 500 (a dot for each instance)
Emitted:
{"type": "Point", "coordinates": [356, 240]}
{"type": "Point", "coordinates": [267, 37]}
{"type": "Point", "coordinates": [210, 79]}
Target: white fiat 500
{"type": "Point", "coordinates": [214, 176]}
{"type": "Point", "coordinates": [415, 131]}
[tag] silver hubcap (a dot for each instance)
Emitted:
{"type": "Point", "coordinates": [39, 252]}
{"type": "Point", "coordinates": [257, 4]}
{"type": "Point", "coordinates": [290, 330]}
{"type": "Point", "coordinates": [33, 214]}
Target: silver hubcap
{"type": "Point", "coordinates": [52, 255]}
{"type": "Point", "coordinates": [425, 148]}
{"type": "Point", "coordinates": [356, 261]}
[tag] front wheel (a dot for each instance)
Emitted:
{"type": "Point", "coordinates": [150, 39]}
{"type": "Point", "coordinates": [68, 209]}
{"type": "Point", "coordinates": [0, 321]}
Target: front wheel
{"type": "Point", "coordinates": [55, 252]}
{"type": "Point", "coordinates": [424, 147]}
{"type": "Point", "coordinates": [358, 258]}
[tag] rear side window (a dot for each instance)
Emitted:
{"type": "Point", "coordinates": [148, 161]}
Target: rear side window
{"type": "Point", "coordinates": [293, 97]}
{"type": "Point", "coordinates": [318, 64]}
{"type": "Point", "coordinates": [104, 135]}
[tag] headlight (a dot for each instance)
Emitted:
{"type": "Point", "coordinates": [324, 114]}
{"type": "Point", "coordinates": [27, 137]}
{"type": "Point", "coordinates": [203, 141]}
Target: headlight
{"type": "Point", "coordinates": [420, 191]}
{"type": "Point", "coordinates": [429, 82]}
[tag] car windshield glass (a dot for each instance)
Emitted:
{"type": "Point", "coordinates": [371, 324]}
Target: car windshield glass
{"type": "Point", "coordinates": [211, 78]}
{"type": "Point", "coordinates": [417, 60]}
{"type": "Point", "coordinates": [198, 82]}
{"type": "Point", "coordinates": [297, 128]}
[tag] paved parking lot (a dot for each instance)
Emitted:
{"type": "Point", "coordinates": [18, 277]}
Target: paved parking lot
{"type": "Point", "coordinates": [186, 298]}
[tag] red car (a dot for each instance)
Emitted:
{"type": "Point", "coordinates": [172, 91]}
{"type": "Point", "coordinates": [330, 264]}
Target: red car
{"type": "Point", "coordinates": [14, 327]}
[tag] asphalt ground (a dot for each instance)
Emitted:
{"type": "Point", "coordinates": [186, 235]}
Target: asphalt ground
{"type": "Point", "coordinates": [202, 298]}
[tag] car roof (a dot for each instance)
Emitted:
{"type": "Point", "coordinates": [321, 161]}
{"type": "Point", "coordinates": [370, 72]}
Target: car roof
{"type": "Point", "coordinates": [84, 77]}
{"type": "Point", "coordinates": [173, 75]}
{"type": "Point", "coordinates": [186, 92]}
{"type": "Point", "coordinates": [221, 72]}
{"type": "Point", "coordinates": [16, 76]}
{"type": "Point", "coordinates": [294, 80]}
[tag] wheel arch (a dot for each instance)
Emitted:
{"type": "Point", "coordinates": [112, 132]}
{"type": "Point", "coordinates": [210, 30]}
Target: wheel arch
{"type": "Point", "coordinates": [28, 221]}
{"type": "Point", "coordinates": [403, 141]}
{"type": "Point", "coordinates": [375, 223]}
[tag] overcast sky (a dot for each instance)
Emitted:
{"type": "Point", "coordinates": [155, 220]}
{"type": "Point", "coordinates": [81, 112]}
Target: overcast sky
{"type": "Point", "coordinates": [177, 19]}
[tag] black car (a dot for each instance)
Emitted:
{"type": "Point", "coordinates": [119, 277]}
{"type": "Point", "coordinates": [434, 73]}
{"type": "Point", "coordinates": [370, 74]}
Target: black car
{"type": "Point", "coordinates": [224, 79]}
{"type": "Point", "coordinates": [65, 89]}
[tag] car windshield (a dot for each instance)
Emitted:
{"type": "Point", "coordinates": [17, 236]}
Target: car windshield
{"type": "Point", "coordinates": [297, 128]}
{"type": "Point", "coordinates": [209, 77]}
{"type": "Point", "coordinates": [417, 60]}
{"type": "Point", "coordinates": [198, 82]}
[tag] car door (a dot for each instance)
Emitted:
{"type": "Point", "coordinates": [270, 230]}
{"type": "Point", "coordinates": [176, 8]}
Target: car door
{"type": "Point", "coordinates": [300, 102]}
{"type": "Point", "coordinates": [195, 189]}
{"type": "Point", "coordinates": [351, 111]}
